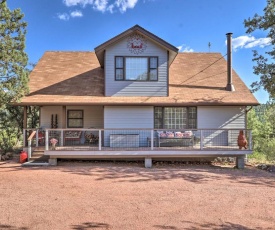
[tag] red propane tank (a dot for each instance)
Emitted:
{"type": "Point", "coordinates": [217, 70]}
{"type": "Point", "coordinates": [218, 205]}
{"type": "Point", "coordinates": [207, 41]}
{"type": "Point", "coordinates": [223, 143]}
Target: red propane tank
{"type": "Point", "coordinates": [23, 157]}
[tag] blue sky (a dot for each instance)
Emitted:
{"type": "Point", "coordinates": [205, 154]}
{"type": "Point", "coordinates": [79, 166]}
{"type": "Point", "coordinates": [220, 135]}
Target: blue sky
{"type": "Point", "coordinates": [81, 25]}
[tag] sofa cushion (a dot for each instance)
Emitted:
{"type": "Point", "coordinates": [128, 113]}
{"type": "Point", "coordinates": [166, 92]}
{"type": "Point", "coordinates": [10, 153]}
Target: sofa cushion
{"type": "Point", "coordinates": [170, 135]}
{"type": "Point", "coordinates": [179, 135]}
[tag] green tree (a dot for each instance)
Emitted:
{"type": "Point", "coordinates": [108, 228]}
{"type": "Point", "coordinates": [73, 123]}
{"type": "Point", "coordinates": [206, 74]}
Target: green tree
{"type": "Point", "coordinates": [13, 73]}
{"type": "Point", "coordinates": [261, 121]}
{"type": "Point", "coordinates": [13, 59]}
{"type": "Point", "coordinates": [264, 67]}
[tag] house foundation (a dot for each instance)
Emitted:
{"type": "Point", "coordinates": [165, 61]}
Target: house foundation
{"type": "Point", "coordinates": [53, 161]}
{"type": "Point", "coordinates": [148, 162]}
{"type": "Point", "coordinates": [240, 162]}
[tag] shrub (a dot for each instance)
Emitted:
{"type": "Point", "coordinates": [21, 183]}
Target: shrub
{"type": "Point", "coordinates": [269, 149]}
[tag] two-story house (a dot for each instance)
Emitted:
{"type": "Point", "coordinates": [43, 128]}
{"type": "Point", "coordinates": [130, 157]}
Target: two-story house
{"type": "Point", "coordinates": [136, 96]}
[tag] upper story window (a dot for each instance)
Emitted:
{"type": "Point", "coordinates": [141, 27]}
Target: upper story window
{"type": "Point", "coordinates": [136, 68]}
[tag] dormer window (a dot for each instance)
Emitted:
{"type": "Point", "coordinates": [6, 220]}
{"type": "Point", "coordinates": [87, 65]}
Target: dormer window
{"type": "Point", "coordinates": [136, 68]}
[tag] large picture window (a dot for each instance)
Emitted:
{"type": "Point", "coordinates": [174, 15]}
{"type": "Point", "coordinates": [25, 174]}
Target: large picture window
{"type": "Point", "coordinates": [136, 68]}
{"type": "Point", "coordinates": [175, 117]}
{"type": "Point", "coordinates": [75, 118]}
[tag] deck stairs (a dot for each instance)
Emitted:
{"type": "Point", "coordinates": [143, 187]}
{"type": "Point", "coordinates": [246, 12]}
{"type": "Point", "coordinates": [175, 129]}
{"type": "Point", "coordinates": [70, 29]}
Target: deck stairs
{"type": "Point", "coordinates": [37, 159]}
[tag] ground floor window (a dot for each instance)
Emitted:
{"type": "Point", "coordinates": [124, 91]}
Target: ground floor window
{"type": "Point", "coordinates": [75, 118]}
{"type": "Point", "coordinates": [175, 117]}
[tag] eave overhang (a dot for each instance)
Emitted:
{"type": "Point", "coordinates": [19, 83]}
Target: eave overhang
{"type": "Point", "coordinates": [132, 104]}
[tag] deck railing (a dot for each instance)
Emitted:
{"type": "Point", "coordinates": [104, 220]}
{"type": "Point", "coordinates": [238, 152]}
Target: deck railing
{"type": "Point", "coordinates": [37, 139]}
{"type": "Point", "coordinates": [139, 139]}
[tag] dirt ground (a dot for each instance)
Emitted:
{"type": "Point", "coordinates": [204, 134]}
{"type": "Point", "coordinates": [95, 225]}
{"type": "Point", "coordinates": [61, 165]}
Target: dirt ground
{"type": "Point", "coordinates": [96, 195]}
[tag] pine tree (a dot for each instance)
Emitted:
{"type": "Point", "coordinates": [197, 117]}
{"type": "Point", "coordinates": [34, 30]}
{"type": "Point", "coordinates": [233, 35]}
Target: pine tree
{"type": "Point", "coordinates": [13, 59]}
{"type": "Point", "coordinates": [265, 68]}
{"type": "Point", "coordinates": [13, 74]}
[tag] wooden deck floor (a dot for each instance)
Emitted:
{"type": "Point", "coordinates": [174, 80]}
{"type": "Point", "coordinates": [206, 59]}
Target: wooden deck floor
{"type": "Point", "coordinates": [141, 152]}
{"type": "Point", "coordinates": [180, 148]}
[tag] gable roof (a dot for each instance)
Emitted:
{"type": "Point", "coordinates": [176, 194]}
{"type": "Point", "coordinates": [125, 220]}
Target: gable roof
{"type": "Point", "coordinates": [99, 50]}
{"type": "Point", "coordinates": [76, 78]}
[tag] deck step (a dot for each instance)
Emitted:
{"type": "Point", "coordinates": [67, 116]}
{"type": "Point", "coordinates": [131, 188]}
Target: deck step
{"type": "Point", "coordinates": [40, 158]}
{"type": "Point", "coordinates": [37, 155]}
{"type": "Point", "coordinates": [34, 163]}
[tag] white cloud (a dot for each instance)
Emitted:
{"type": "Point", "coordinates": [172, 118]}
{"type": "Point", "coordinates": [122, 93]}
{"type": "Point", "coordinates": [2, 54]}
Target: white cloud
{"type": "Point", "coordinates": [64, 17]}
{"type": "Point", "coordinates": [76, 13]}
{"type": "Point", "coordinates": [100, 5]}
{"type": "Point", "coordinates": [104, 5]}
{"type": "Point", "coordinates": [76, 2]}
{"type": "Point", "coordinates": [123, 5]}
{"type": "Point", "coordinates": [73, 14]}
{"type": "Point", "coordinates": [185, 48]}
{"type": "Point", "coordinates": [111, 8]}
{"type": "Point", "coordinates": [249, 42]}
{"type": "Point", "coordinates": [262, 42]}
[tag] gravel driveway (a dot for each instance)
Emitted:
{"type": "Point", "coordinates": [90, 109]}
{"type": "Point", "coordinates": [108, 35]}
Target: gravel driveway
{"type": "Point", "coordinates": [128, 196]}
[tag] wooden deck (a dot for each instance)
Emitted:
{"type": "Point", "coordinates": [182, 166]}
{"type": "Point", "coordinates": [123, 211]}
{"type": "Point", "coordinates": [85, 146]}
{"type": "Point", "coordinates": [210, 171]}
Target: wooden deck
{"type": "Point", "coordinates": [142, 152]}
{"type": "Point", "coordinates": [140, 149]}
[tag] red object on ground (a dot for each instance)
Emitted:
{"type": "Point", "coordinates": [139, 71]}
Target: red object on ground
{"type": "Point", "coordinates": [23, 157]}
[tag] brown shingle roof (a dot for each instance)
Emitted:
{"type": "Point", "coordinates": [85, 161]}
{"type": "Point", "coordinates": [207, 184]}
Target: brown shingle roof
{"type": "Point", "coordinates": [75, 78]}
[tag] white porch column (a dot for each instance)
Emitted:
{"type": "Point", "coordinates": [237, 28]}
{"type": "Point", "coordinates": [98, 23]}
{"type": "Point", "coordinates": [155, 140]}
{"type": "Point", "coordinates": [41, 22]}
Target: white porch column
{"type": "Point", "coordinates": [36, 137]}
{"type": "Point", "coordinates": [29, 149]}
{"type": "Point", "coordinates": [61, 137]}
{"type": "Point", "coordinates": [250, 139]}
{"type": "Point", "coordinates": [201, 138]}
{"type": "Point", "coordinates": [99, 140]}
{"type": "Point", "coordinates": [152, 139]}
{"type": "Point", "coordinates": [47, 140]}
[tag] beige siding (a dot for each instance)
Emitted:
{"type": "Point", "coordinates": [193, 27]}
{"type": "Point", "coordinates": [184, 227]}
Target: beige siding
{"type": "Point", "coordinates": [93, 115]}
{"type": "Point", "coordinates": [135, 88]}
{"type": "Point", "coordinates": [46, 114]}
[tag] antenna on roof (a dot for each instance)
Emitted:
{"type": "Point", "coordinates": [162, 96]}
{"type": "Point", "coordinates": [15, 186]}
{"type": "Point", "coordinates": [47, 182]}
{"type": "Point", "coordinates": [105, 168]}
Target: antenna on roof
{"type": "Point", "coordinates": [209, 46]}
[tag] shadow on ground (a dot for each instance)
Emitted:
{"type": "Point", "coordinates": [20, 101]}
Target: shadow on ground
{"type": "Point", "coordinates": [209, 226]}
{"type": "Point", "coordinates": [90, 225]}
{"type": "Point", "coordinates": [10, 227]}
{"type": "Point", "coordinates": [135, 172]}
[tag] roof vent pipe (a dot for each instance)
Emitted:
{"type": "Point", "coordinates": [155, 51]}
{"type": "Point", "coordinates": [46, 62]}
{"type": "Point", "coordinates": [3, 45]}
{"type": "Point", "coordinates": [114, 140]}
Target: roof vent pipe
{"type": "Point", "coordinates": [229, 86]}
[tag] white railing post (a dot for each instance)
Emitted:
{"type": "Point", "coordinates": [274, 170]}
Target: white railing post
{"type": "Point", "coordinates": [24, 137]}
{"type": "Point", "coordinates": [36, 137]}
{"type": "Point", "coordinates": [99, 140]}
{"type": "Point", "coordinates": [250, 140]}
{"type": "Point", "coordinates": [152, 139]}
{"type": "Point", "coordinates": [61, 137]}
{"type": "Point", "coordinates": [201, 138]}
{"type": "Point", "coordinates": [29, 149]}
{"type": "Point", "coordinates": [47, 140]}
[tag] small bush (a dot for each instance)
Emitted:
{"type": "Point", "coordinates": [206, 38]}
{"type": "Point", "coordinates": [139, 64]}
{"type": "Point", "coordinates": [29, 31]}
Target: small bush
{"type": "Point", "coordinates": [257, 157]}
{"type": "Point", "coordinates": [269, 149]}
